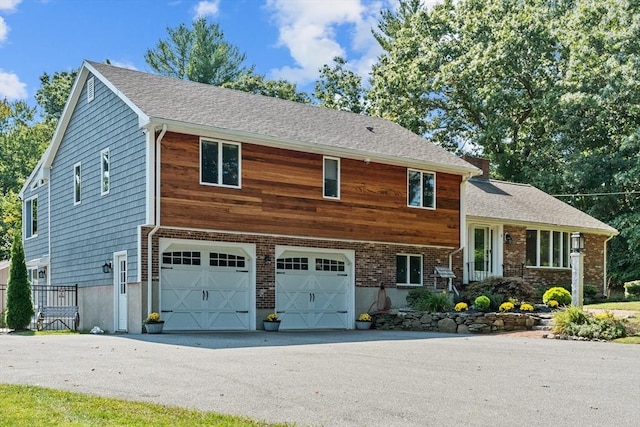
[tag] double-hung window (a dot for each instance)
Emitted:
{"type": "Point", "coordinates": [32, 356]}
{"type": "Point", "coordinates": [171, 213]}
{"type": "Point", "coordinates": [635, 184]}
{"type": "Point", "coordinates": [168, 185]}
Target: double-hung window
{"type": "Point", "coordinates": [219, 163]}
{"type": "Point", "coordinates": [105, 183]}
{"type": "Point", "coordinates": [548, 248]}
{"type": "Point", "coordinates": [331, 174]}
{"type": "Point", "coordinates": [77, 183]}
{"type": "Point", "coordinates": [421, 189]}
{"type": "Point", "coordinates": [409, 270]}
{"type": "Point", "coordinates": [31, 217]}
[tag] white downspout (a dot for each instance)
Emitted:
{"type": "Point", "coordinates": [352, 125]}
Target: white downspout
{"type": "Point", "coordinates": [604, 285]}
{"type": "Point", "coordinates": [463, 226]}
{"type": "Point", "coordinates": [157, 221]}
{"type": "Point", "coordinates": [451, 288]}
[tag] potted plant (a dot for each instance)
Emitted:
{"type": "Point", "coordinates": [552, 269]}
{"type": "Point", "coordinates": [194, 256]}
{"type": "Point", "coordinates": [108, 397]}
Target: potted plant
{"type": "Point", "coordinates": [271, 323]}
{"type": "Point", "coordinates": [364, 321]}
{"type": "Point", "coordinates": [153, 324]}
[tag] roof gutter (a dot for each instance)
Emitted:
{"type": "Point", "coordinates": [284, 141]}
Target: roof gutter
{"type": "Point", "coordinates": [157, 143]}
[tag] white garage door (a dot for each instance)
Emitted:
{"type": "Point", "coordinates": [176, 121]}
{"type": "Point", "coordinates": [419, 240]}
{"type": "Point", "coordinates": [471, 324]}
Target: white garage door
{"type": "Point", "coordinates": [313, 290]}
{"type": "Point", "coordinates": [206, 288]}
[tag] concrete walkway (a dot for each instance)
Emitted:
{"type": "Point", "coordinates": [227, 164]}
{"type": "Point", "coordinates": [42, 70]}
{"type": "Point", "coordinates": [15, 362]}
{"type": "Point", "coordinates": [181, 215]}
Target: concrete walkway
{"type": "Point", "coordinates": [345, 378]}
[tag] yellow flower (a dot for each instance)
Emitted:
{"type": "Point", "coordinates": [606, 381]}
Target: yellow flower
{"type": "Point", "coordinates": [552, 303]}
{"type": "Point", "coordinates": [604, 316]}
{"type": "Point", "coordinates": [506, 306]}
{"type": "Point", "coordinates": [364, 317]}
{"type": "Point", "coordinates": [526, 307]}
{"type": "Point", "coordinates": [461, 306]}
{"type": "Point", "coordinates": [153, 318]}
{"type": "Point", "coordinates": [273, 317]}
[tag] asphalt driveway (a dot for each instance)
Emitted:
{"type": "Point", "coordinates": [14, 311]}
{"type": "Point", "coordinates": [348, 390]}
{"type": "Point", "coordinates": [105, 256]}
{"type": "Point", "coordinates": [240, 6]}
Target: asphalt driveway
{"type": "Point", "coordinates": [345, 378]}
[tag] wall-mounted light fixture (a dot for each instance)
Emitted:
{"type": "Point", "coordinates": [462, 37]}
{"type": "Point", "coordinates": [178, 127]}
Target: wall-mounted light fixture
{"type": "Point", "coordinates": [267, 259]}
{"type": "Point", "coordinates": [42, 274]}
{"type": "Point", "coordinates": [106, 268]}
{"type": "Point", "coordinates": [507, 238]}
{"type": "Point", "coordinates": [577, 242]}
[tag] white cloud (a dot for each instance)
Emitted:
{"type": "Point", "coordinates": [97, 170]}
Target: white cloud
{"type": "Point", "coordinates": [11, 87]}
{"type": "Point", "coordinates": [4, 30]}
{"type": "Point", "coordinates": [207, 8]}
{"type": "Point", "coordinates": [9, 5]}
{"type": "Point", "coordinates": [124, 64]}
{"type": "Point", "coordinates": [309, 29]}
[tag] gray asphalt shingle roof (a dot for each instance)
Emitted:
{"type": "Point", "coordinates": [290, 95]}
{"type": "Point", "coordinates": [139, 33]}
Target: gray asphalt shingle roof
{"type": "Point", "coordinates": [166, 98]}
{"type": "Point", "coordinates": [523, 203]}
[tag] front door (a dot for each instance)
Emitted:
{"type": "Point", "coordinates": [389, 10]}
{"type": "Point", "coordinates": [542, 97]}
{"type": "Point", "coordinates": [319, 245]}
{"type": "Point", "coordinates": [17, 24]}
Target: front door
{"type": "Point", "coordinates": [120, 277]}
{"type": "Point", "coordinates": [481, 262]}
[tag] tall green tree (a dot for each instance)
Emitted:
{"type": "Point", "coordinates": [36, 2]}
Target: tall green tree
{"type": "Point", "coordinates": [340, 88]}
{"type": "Point", "coordinates": [200, 54]}
{"type": "Point", "coordinates": [256, 84]}
{"type": "Point", "coordinates": [54, 91]}
{"type": "Point", "coordinates": [19, 304]}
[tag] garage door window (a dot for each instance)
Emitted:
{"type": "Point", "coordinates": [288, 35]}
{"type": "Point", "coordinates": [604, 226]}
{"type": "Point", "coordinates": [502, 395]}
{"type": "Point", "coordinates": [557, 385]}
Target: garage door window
{"type": "Point", "coordinates": [293, 264]}
{"type": "Point", "coordinates": [409, 270]}
{"type": "Point", "coordinates": [226, 260]}
{"type": "Point", "coordinates": [329, 265]}
{"type": "Point", "coordinates": [181, 258]}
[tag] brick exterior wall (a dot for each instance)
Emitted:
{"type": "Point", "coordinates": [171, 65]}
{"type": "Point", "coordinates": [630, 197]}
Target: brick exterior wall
{"type": "Point", "coordinates": [375, 262]}
{"type": "Point", "coordinates": [515, 255]}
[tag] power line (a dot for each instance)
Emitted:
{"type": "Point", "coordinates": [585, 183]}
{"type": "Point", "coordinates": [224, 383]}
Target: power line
{"type": "Point", "coordinates": [619, 193]}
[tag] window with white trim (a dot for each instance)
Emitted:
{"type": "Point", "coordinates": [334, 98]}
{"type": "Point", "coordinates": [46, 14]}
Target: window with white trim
{"type": "Point", "coordinates": [331, 175]}
{"type": "Point", "coordinates": [219, 163]}
{"type": "Point", "coordinates": [105, 183]}
{"type": "Point", "coordinates": [181, 258]}
{"type": "Point", "coordinates": [421, 189]}
{"type": "Point", "coordinates": [77, 183]}
{"type": "Point", "coordinates": [409, 269]}
{"type": "Point", "coordinates": [90, 89]}
{"type": "Point", "coordinates": [548, 248]}
{"type": "Point", "coordinates": [31, 217]}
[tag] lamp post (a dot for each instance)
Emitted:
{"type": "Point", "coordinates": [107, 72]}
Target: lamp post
{"type": "Point", "coordinates": [577, 272]}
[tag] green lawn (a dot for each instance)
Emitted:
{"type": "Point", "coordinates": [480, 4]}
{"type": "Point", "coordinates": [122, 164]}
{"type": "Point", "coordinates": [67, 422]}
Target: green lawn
{"type": "Point", "coordinates": [28, 405]}
{"type": "Point", "coordinates": [629, 306]}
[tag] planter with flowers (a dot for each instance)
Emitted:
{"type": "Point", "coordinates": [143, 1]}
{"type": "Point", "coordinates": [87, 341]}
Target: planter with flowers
{"type": "Point", "coordinates": [153, 324]}
{"type": "Point", "coordinates": [364, 321]}
{"type": "Point", "coordinates": [271, 323]}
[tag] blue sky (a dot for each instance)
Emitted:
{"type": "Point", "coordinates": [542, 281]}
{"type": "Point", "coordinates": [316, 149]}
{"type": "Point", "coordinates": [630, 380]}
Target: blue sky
{"type": "Point", "coordinates": [287, 39]}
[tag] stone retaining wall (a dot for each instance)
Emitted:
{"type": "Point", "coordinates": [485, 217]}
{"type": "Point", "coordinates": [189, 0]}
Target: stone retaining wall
{"type": "Point", "coordinates": [461, 323]}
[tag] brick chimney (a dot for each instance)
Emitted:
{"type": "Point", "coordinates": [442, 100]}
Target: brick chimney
{"type": "Point", "coordinates": [480, 163]}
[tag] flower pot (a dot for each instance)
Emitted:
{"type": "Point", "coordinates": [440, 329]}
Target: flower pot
{"type": "Point", "coordinates": [154, 328]}
{"type": "Point", "coordinates": [363, 325]}
{"type": "Point", "coordinates": [271, 326]}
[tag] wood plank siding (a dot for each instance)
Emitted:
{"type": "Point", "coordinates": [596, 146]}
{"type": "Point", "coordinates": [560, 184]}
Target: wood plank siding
{"type": "Point", "coordinates": [282, 193]}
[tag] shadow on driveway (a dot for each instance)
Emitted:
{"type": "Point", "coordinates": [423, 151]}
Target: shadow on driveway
{"type": "Point", "coordinates": [222, 340]}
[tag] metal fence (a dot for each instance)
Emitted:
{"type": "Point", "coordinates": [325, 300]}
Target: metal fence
{"type": "Point", "coordinates": [44, 296]}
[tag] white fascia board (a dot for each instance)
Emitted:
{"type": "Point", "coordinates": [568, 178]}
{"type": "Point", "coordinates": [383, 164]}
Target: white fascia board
{"type": "Point", "coordinates": [539, 225]}
{"type": "Point", "coordinates": [215, 132]}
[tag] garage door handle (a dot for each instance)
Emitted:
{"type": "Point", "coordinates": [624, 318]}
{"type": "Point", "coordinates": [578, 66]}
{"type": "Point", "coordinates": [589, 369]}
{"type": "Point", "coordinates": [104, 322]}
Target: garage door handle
{"type": "Point", "coordinates": [166, 311]}
{"type": "Point", "coordinates": [242, 271]}
{"type": "Point", "coordinates": [166, 268]}
{"type": "Point", "coordinates": [343, 312]}
{"type": "Point", "coordinates": [343, 274]}
{"type": "Point", "coordinates": [242, 311]}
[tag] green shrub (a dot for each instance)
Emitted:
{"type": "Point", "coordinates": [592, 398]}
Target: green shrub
{"type": "Point", "coordinates": [496, 301]}
{"type": "Point", "coordinates": [632, 289]}
{"type": "Point", "coordinates": [575, 322]}
{"type": "Point", "coordinates": [422, 299]}
{"type": "Point", "coordinates": [590, 291]}
{"type": "Point", "coordinates": [19, 305]}
{"type": "Point", "coordinates": [506, 287]}
{"type": "Point", "coordinates": [559, 294]}
{"type": "Point", "coordinates": [416, 295]}
{"type": "Point", "coordinates": [482, 303]}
